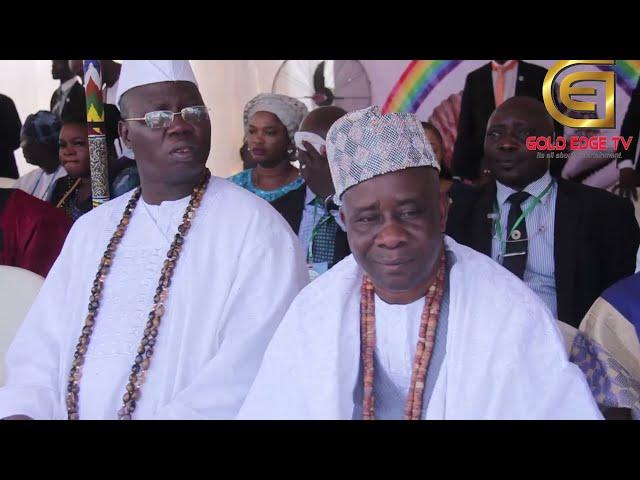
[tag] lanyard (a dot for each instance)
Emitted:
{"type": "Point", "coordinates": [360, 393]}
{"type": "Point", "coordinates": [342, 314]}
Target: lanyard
{"type": "Point", "coordinates": [523, 215]}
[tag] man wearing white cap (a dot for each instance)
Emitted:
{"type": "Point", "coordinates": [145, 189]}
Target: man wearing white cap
{"type": "Point", "coordinates": [412, 325]}
{"type": "Point", "coordinates": [193, 276]}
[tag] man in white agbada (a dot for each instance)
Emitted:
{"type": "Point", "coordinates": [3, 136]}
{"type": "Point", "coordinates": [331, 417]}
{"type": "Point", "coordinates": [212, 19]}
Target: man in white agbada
{"type": "Point", "coordinates": [239, 268]}
{"type": "Point", "coordinates": [496, 353]}
{"type": "Point", "coordinates": [39, 139]}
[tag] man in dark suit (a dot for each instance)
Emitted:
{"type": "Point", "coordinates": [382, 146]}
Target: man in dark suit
{"type": "Point", "coordinates": [69, 98]}
{"type": "Point", "coordinates": [484, 89]}
{"type": "Point", "coordinates": [308, 209]}
{"type": "Point", "coordinates": [630, 170]}
{"type": "Point", "coordinates": [10, 126]}
{"type": "Point", "coordinates": [568, 242]}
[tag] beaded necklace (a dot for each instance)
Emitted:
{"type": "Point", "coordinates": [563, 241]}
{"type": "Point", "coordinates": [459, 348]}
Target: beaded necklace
{"type": "Point", "coordinates": [146, 348]}
{"type": "Point", "coordinates": [426, 342]}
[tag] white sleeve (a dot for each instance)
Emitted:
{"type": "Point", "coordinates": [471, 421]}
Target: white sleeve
{"type": "Point", "coordinates": [627, 163]}
{"type": "Point", "coordinates": [271, 396]}
{"type": "Point", "coordinates": [506, 357]}
{"type": "Point", "coordinates": [539, 382]}
{"type": "Point", "coordinates": [271, 274]}
{"type": "Point", "coordinates": [22, 183]}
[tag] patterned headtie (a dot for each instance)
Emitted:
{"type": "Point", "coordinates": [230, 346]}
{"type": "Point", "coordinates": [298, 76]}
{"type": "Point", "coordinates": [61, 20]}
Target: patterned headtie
{"type": "Point", "coordinates": [290, 111]}
{"type": "Point", "coordinates": [365, 143]}
{"type": "Point", "coordinates": [43, 127]}
{"type": "Point", "coordinates": [501, 70]}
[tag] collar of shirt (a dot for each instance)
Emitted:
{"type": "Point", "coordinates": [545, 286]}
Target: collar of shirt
{"type": "Point", "coordinates": [167, 215]}
{"type": "Point", "coordinates": [509, 64]}
{"type": "Point", "coordinates": [534, 189]}
{"type": "Point", "coordinates": [109, 94]}
{"type": "Point", "coordinates": [310, 197]}
{"type": "Point", "coordinates": [66, 86]}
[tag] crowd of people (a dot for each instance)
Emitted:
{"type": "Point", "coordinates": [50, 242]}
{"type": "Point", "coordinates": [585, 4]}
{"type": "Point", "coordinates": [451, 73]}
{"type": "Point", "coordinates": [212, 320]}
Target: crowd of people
{"type": "Point", "coordinates": [345, 273]}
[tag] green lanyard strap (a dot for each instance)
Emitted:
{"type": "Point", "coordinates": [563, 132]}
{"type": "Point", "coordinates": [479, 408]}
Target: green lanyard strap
{"type": "Point", "coordinates": [523, 215]}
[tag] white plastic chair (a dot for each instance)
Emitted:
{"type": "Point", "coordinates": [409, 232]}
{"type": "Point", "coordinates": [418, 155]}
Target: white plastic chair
{"type": "Point", "coordinates": [18, 290]}
{"type": "Point", "coordinates": [7, 182]}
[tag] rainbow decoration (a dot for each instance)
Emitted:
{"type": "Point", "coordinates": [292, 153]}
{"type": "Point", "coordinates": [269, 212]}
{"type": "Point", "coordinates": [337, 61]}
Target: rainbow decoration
{"type": "Point", "coordinates": [627, 73]}
{"type": "Point", "coordinates": [421, 76]}
{"type": "Point", "coordinates": [416, 82]}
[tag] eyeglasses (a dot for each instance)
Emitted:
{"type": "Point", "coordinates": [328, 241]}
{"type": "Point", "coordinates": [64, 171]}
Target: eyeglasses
{"type": "Point", "coordinates": [164, 118]}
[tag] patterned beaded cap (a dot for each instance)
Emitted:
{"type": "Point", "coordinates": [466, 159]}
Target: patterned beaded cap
{"type": "Point", "coordinates": [365, 143]}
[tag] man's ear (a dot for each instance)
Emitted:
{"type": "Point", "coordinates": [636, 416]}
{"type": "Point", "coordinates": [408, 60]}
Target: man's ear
{"type": "Point", "coordinates": [123, 132]}
{"type": "Point", "coordinates": [445, 203]}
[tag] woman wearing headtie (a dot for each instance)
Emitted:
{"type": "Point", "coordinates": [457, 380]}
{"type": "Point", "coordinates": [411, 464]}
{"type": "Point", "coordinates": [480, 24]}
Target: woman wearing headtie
{"type": "Point", "coordinates": [73, 192]}
{"type": "Point", "coordinates": [270, 122]}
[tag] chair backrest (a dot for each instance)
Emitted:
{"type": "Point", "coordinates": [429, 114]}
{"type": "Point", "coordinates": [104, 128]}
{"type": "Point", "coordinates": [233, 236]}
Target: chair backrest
{"type": "Point", "coordinates": [18, 290]}
{"type": "Point", "coordinates": [613, 386]}
{"type": "Point", "coordinates": [7, 182]}
{"type": "Point", "coordinates": [568, 334]}
{"type": "Point", "coordinates": [604, 324]}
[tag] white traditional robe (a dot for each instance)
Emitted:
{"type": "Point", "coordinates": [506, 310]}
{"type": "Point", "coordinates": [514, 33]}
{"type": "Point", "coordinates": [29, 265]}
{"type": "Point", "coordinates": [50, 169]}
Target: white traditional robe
{"type": "Point", "coordinates": [240, 268]}
{"type": "Point", "coordinates": [39, 183]}
{"type": "Point", "coordinates": [504, 358]}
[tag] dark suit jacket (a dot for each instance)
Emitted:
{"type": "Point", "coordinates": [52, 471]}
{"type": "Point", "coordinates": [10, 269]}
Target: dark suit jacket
{"type": "Point", "coordinates": [10, 126]}
{"type": "Point", "coordinates": [596, 239]}
{"type": "Point", "coordinates": [478, 103]}
{"type": "Point", "coordinates": [75, 103]}
{"type": "Point", "coordinates": [631, 127]}
{"type": "Point", "coordinates": [291, 207]}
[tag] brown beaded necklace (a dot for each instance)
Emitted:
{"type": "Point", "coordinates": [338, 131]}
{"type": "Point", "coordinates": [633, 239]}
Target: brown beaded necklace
{"type": "Point", "coordinates": [145, 350]}
{"type": "Point", "coordinates": [426, 342]}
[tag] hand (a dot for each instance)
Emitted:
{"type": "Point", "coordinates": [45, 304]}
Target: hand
{"type": "Point", "coordinates": [626, 187]}
{"type": "Point", "coordinates": [314, 168]}
{"type": "Point", "coordinates": [485, 177]}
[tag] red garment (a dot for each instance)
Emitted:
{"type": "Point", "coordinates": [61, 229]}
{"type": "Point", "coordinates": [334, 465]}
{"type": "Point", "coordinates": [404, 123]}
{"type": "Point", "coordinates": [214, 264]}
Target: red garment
{"type": "Point", "coordinates": [33, 233]}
